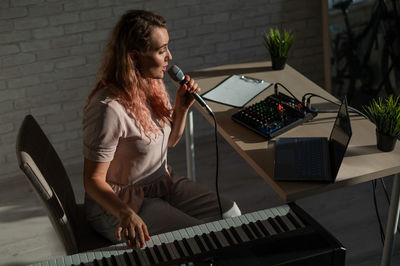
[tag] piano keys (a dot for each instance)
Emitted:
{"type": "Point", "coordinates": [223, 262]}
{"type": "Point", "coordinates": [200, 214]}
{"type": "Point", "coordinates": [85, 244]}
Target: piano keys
{"type": "Point", "coordinates": [252, 236]}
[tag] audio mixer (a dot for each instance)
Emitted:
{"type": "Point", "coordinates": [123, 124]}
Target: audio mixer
{"type": "Point", "coordinates": [274, 115]}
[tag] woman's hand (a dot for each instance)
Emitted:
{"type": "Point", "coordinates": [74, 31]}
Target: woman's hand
{"type": "Point", "coordinates": [183, 98]}
{"type": "Point", "coordinates": [133, 229]}
{"type": "Point", "coordinates": [183, 101]}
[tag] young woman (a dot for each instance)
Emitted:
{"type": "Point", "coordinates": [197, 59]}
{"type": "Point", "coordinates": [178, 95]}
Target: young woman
{"type": "Point", "coordinates": [128, 125]}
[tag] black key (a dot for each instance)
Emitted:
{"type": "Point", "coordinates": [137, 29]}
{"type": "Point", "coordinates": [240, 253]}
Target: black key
{"type": "Point", "coordinates": [247, 231]}
{"type": "Point", "coordinates": [136, 257]}
{"type": "Point", "coordinates": [172, 250]}
{"type": "Point", "coordinates": [222, 240]}
{"type": "Point", "coordinates": [255, 230]}
{"type": "Point", "coordinates": [235, 234]}
{"type": "Point", "coordinates": [166, 252]}
{"type": "Point", "coordinates": [158, 253]}
{"type": "Point", "coordinates": [282, 223]}
{"type": "Point", "coordinates": [127, 259]}
{"type": "Point", "coordinates": [104, 261]}
{"type": "Point", "coordinates": [269, 227]}
{"type": "Point", "coordinates": [241, 233]}
{"type": "Point", "coordinates": [193, 245]}
{"type": "Point", "coordinates": [114, 260]}
{"type": "Point", "coordinates": [263, 229]}
{"type": "Point", "coordinates": [274, 225]}
{"type": "Point", "coordinates": [199, 243]}
{"type": "Point", "coordinates": [215, 239]}
{"type": "Point", "coordinates": [149, 256]}
{"type": "Point", "coordinates": [293, 220]}
{"type": "Point", "coordinates": [178, 247]}
{"type": "Point", "coordinates": [207, 241]}
{"type": "Point", "coordinates": [187, 246]}
{"type": "Point", "coordinates": [227, 236]}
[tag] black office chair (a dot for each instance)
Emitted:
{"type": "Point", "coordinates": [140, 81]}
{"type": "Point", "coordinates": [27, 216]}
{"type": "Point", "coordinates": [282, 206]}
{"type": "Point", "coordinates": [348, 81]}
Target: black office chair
{"type": "Point", "coordinates": [46, 173]}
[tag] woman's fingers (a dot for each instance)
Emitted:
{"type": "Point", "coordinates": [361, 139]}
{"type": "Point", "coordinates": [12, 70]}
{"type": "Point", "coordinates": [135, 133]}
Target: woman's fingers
{"type": "Point", "coordinates": [146, 232]}
{"type": "Point", "coordinates": [135, 237]}
{"type": "Point", "coordinates": [192, 86]}
{"type": "Point", "coordinates": [119, 230]}
{"type": "Point", "coordinates": [140, 237]}
{"type": "Point", "coordinates": [130, 235]}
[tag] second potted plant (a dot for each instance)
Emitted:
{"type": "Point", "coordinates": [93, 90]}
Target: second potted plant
{"type": "Point", "coordinates": [385, 114]}
{"type": "Point", "coordinates": [278, 46]}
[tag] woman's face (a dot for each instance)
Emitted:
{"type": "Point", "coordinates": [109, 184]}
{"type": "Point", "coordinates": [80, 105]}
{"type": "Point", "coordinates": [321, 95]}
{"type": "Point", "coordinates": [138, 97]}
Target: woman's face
{"type": "Point", "coordinates": [153, 63]}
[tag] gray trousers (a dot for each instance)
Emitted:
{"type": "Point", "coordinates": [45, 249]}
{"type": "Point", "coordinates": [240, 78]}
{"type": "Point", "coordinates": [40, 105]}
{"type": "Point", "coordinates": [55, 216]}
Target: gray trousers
{"type": "Point", "coordinates": [187, 204]}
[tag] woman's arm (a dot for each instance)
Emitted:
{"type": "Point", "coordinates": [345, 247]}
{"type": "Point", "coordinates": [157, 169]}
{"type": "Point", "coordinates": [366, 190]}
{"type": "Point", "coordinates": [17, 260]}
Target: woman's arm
{"type": "Point", "coordinates": [133, 227]}
{"type": "Point", "coordinates": [183, 101]}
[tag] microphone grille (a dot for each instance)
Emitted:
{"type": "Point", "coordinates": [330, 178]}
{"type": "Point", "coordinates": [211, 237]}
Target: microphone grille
{"type": "Point", "coordinates": [176, 73]}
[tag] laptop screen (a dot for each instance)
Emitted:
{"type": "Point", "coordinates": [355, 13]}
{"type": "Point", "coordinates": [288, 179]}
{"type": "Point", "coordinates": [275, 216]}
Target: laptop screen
{"type": "Point", "coordinates": [340, 137]}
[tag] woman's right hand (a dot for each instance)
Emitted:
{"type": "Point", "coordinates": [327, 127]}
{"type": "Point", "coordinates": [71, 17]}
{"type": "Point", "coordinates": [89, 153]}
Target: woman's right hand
{"type": "Point", "coordinates": [133, 229]}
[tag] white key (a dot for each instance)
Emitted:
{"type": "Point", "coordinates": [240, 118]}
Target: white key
{"type": "Point", "coordinates": [183, 233]}
{"type": "Point", "coordinates": [204, 228]}
{"type": "Point", "coordinates": [197, 230]}
{"type": "Point", "coordinates": [217, 226]}
{"type": "Point", "coordinates": [224, 224]}
{"type": "Point", "coordinates": [237, 221]}
{"type": "Point", "coordinates": [177, 235]}
{"type": "Point", "coordinates": [243, 219]}
{"type": "Point", "coordinates": [156, 240]}
{"type": "Point", "coordinates": [250, 217]}
{"type": "Point", "coordinates": [230, 222]}
{"type": "Point", "coordinates": [170, 237]}
{"type": "Point", "coordinates": [163, 238]}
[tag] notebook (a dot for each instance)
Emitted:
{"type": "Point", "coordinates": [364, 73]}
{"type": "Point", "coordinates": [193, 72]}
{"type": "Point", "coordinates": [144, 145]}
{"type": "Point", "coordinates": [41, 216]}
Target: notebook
{"type": "Point", "coordinates": [314, 159]}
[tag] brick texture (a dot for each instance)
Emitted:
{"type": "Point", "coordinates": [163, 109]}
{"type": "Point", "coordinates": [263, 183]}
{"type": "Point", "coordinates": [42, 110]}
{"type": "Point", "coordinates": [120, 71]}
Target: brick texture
{"type": "Point", "coordinates": [50, 52]}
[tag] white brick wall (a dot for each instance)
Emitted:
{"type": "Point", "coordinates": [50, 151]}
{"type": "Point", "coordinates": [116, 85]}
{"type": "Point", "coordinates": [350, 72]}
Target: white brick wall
{"type": "Point", "coordinates": [50, 52]}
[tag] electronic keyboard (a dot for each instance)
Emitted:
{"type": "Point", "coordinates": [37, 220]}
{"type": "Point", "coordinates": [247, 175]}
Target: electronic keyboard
{"type": "Point", "coordinates": [269, 236]}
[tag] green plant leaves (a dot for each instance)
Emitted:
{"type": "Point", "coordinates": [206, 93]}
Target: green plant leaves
{"type": "Point", "coordinates": [385, 114]}
{"type": "Point", "coordinates": [278, 44]}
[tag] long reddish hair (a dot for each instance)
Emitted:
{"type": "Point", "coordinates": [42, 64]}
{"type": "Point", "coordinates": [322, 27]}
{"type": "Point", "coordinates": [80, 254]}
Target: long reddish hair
{"type": "Point", "coordinates": [119, 74]}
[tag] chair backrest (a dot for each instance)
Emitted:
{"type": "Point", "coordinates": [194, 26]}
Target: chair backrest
{"type": "Point", "coordinates": [45, 171]}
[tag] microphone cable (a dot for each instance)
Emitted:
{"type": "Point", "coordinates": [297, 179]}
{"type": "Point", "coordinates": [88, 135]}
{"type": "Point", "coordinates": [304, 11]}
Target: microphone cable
{"type": "Point", "coordinates": [177, 75]}
{"type": "Point", "coordinates": [217, 163]}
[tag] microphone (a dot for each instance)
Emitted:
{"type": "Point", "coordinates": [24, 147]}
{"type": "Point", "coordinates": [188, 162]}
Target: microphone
{"type": "Point", "coordinates": [177, 75]}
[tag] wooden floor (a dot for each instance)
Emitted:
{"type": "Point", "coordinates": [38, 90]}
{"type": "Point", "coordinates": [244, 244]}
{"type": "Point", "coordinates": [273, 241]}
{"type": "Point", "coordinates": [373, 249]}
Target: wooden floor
{"type": "Point", "coordinates": [27, 236]}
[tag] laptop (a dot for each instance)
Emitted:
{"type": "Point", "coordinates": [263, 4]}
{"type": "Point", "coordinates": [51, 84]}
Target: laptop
{"type": "Point", "coordinates": [314, 159]}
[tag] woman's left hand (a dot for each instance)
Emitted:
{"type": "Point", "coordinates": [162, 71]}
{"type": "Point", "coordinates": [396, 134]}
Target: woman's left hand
{"type": "Point", "coordinates": [184, 99]}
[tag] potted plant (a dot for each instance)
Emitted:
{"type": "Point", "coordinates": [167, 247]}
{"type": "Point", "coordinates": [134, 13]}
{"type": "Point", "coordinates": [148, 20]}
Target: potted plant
{"type": "Point", "coordinates": [385, 114]}
{"type": "Point", "coordinates": [278, 46]}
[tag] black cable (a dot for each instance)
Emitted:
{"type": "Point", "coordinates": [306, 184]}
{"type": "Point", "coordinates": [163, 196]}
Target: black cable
{"type": "Point", "coordinates": [280, 84]}
{"type": "Point", "coordinates": [377, 212]}
{"type": "Point", "coordinates": [384, 187]}
{"type": "Point", "coordinates": [337, 103]}
{"type": "Point", "coordinates": [217, 164]}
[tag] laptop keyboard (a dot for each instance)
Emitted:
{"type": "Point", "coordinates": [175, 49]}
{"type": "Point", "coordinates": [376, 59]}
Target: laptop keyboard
{"type": "Point", "coordinates": [309, 157]}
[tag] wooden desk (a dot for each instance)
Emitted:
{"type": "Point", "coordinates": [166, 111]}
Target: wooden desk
{"type": "Point", "coordinates": [362, 162]}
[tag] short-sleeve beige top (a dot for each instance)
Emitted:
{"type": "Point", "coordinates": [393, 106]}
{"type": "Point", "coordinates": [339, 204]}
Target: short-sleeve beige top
{"type": "Point", "coordinates": [111, 135]}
